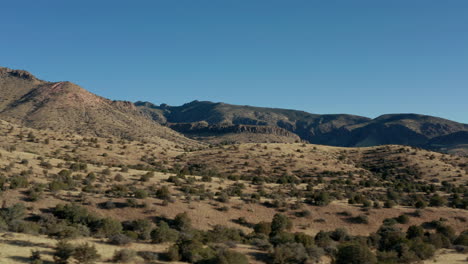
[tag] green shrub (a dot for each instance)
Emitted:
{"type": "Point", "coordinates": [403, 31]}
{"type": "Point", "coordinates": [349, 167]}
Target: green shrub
{"type": "Point", "coordinates": [182, 222]}
{"type": "Point", "coordinates": [141, 194]}
{"type": "Point", "coordinates": [172, 253]}
{"type": "Point", "coordinates": [280, 223]}
{"type": "Point", "coordinates": [86, 253]}
{"type": "Point", "coordinates": [421, 249]}
{"type": "Point", "coordinates": [414, 232]}
{"type": "Point", "coordinates": [108, 227]}
{"type": "Point", "coordinates": [462, 239]}
{"type": "Point", "coordinates": [402, 219]}
{"type": "Point", "coordinates": [163, 233]}
{"type": "Point", "coordinates": [437, 201]}
{"type": "Point", "coordinates": [230, 257]}
{"type": "Point", "coordinates": [63, 251]}
{"type": "Point", "coordinates": [119, 239]}
{"type": "Point", "coordinates": [290, 253]}
{"type": "Point", "coordinates": [19, 182]}
{"type": "Point", "coordinates": [124, 255]}
{"type": "Point", "coordinates": [262, 228]}
{"type": "Point", "coordinates": [355, 254]}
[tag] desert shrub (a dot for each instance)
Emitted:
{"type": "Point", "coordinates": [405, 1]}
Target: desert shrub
{"type": "Point", "coordinates": [119, 239]}
{"type": "Point", "coordinates": [118, 177]}
{"type": "Point", "coordinates": [262, 244]}
{"type": "Point", "coordinates": [19, 182]}
{"type": "Point", "coordinates": [319, 198]}
{"type": "Point", "coordinates": [304, 239]}
{"type": "Point", "coordinates": [462, 239]}
{"type": "Point", "coordinates": [224, 234]}
{"type": "Point", "coordinates": [163, 233]}
{"type": "Point", "coordinates": [389, 203]}
{"type": "Point", "coordinates": [13, 213]}
{"type": "Point", "coordinates": [78, 166]}
{"type": "Point", "coordinates": [230, 257]}
{"type": "Point", "coordinates": [172, 253]}
{"type": "Point", "coordinates": [36, 257]}
{"type": "Point", "coordinates": [437, 240]}
{"type": "Point", "coordinates": [402, 219]}
{"type": "Point", "coordinates": [280, 223]}
{"type": "Point", "coordinates": [163, 193]}
{"type": "Point", "coordinates": [437, 201]}
{"type": "Point", "coordinates": [182, 222]}
{"type": "Point", "coordinates": [74, 214]}
{"type": "Point", "coordinates": [141, 194]}
{"type": "Point", "coordinates": [420, 204]}
{"type": "Point", "coordinates": [304, 213]}
{"type": "Point", "coordinates": [360, 219]}
{"type": "Point", "coordinates": [390, 238]}
{"type": "Point", "coordinates": [142, 227]}
{"type": "Point", "coordinates": [339, 234]}
{"type": "Point", "coordinates": [148, 256]}
{"type": "Point", "coordinates": [292, 253]}
{"type": "Point", "coordinates": [34, 194]}
{"type": "Point", "coordinates": [86, 253]}
{"type": "Point", "coordinates": [124, 255]}
{"type": "Point", "coordinates": [132, 203]}
{"type": "Point", "coordinates": [108, 227]}
{"type": "Point", "coordinates": [446, 231]}
{"type": "Point", "coordinates": [118, 190]}
{"type": "Point", "coordinates": [355, 254]}
{"type": "Point", "coordinates": [193, 251]}
{"type": "Point", "coordinates": [106, 171]}
{"type": "Point", "coordinates": [388, 257]}
{"type": "Point", "coordinates": [414, 232]}
{"type": "Point", "coordinates": [223, 197]}
{"type": "Point", "coordinates": [421, 249]}
{"type": "Point", "coordinates": [315, 253]}
{"type": "Point", "coordinates": [323, 239]}
{"type": "Point", "coordinates": [282, 238]}
{"type": "Point", "coordinates": [63, 251]}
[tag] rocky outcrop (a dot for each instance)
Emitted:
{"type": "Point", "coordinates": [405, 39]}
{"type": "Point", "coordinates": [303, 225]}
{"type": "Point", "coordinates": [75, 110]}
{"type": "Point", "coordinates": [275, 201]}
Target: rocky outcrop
{"type": "Point", "coordinates": [205, 128]}
{"type": "Point", "coordinates": [17, 73]}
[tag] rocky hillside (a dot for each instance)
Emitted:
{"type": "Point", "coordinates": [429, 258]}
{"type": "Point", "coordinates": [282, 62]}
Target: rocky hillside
{"type": "Point", "coordinates": [64, 106]}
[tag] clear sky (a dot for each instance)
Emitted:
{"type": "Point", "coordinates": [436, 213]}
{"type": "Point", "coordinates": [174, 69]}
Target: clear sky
{"type": "Point", "coordinates": [364, 57]}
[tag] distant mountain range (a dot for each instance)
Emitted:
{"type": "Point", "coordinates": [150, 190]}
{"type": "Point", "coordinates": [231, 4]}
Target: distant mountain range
{"type": "Point", "coordinates": [26, 100]}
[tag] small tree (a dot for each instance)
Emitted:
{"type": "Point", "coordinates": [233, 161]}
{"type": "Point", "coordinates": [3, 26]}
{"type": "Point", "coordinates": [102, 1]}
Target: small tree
{"type": "Point", "coordinates": [124, 255]}
{"type": "Point", "coordinates": [63, 251]}
{"type": "Point", "coordinates": [355, 254]}
{"type": "Point", "coordinates": [86, 254]}
{"type": "Point", "coordinates": [280, 223]}
{"type": "Point", "coordinates": [182, 222]}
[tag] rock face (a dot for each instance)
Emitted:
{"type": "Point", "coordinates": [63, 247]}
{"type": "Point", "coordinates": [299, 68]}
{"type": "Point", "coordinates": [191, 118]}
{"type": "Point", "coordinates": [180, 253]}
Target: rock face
{"type": "Point", "coordinates": [207, 118]}
{"type": "Point", "coordinates": [204, 128]}
{"type": "Point", "coordinates": [64, 106]}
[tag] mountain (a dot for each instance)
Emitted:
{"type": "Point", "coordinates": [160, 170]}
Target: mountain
{"type": "Point", "coordinates": [65, 106]}
{"type": "Point", "coordinates": [205, 119]}
{"type": "Point", "coordinates": [218, 117]}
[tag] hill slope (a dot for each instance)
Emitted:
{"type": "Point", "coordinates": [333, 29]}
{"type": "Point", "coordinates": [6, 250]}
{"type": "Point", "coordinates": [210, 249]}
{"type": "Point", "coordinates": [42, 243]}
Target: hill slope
{"type": "Point", "coordinates": [67, 107]}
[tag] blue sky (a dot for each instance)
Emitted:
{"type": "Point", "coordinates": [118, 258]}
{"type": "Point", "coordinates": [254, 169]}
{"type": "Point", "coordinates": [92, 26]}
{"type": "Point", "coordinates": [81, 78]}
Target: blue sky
{"type": "Point", "coordinates": [363, 57]}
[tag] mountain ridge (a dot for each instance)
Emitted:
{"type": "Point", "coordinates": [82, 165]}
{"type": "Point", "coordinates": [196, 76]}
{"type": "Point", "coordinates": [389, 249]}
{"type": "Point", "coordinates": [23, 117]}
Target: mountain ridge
{"type": "Point", "coordinates": [326, 129]}
{"type": "Point", "coordinates": [65, 106]}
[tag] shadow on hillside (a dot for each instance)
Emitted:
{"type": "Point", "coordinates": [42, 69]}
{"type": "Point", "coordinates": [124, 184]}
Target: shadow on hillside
{"type": "Point", "coordinates": [112, 205]}
{"type": "Point", "coordinates": [27, 260]}
{"type": "Point", "coordinates": [259, 256]}
{"type": "Point", "coordinates": [22, 243]}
